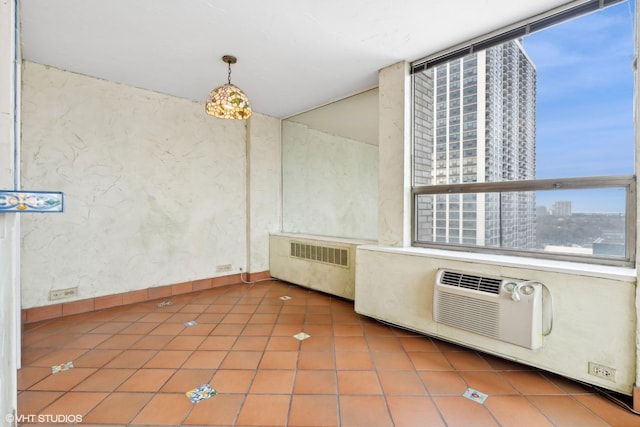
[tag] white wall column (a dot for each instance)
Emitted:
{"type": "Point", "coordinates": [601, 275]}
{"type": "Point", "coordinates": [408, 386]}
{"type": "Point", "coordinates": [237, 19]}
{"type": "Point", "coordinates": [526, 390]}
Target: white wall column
{"type": "Point", "coordinates": [394, 156]}
{"type": "Point", "coordinates": [264, 188]}
{"type": "Point", "coordinates": [9, 223]}
{"type": "Point", "coordinates": [636, 391]}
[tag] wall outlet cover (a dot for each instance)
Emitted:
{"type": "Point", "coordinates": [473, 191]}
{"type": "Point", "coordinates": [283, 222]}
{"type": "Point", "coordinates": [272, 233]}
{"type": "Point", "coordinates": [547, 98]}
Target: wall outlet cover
{"type": "Point", "coordinates": [602, 371]}
{"type": "Point", "coordinates": [223, 267]}
{"type": "Point", "coordinates": [63, 293]}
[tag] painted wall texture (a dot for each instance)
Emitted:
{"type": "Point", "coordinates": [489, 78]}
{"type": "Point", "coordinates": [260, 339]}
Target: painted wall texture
{"type": "Point", "coordinates": [155, 189]}
{"type": "Point", "coordinates": [264, 206]}
{"type": "Point", "coordinates": [330, 184]}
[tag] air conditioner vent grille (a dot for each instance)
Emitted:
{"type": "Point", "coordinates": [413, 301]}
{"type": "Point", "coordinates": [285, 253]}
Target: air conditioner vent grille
{"type": "Point", "coordinates": [488, 285]}
{"type": "Point", "coordinates": [471, 314]}
{"type": "Point", "coordinates": [325, 254]}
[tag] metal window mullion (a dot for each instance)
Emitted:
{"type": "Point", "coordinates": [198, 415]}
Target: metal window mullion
{"type": "Point", "coordinates": [501, 235]}
{"type": "Point", "coordinates": [630, 223]}
{"type": "Point", "coordinates": [529, 185]}
{"type": "Point", "coordinates": [628, 182]}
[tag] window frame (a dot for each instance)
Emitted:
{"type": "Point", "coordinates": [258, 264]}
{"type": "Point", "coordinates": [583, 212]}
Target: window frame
{"type": "Point", "coordinates": [628, 182]}
{"type": "Point", "coordinates": [511, 32]}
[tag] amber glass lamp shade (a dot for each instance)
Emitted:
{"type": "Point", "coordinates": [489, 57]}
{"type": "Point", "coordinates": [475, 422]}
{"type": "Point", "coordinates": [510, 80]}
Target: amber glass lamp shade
{"type": "Point", "coordinates": [228, 101]}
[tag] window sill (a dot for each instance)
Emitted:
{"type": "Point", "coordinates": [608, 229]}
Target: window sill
{"type": "Point", "coordinates": [582, 269]}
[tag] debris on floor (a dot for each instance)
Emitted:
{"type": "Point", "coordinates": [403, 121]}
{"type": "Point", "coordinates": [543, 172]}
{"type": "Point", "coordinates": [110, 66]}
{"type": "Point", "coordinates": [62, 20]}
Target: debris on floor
{"type": "Point", "coordinates": [164, 303]}
{"type": "Point", "coordinates": [190, 323]}
{"type": "Point", "coordinates": [285, 298]}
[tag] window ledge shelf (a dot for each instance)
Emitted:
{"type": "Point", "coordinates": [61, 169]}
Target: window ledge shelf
{"type": "Point", "coordinates": [342, 240]}
{"type": "Point", "coordinates": [582, 269]}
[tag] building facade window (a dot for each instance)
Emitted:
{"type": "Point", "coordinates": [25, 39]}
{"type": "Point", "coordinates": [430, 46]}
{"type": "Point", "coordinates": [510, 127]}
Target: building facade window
{"type": "Point", "coordinates": [490, 125]}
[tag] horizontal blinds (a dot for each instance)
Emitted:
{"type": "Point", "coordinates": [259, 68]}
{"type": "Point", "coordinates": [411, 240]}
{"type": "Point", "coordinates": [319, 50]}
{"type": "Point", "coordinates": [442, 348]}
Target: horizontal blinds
{"type": "Point", "coordinates": [534, 24]}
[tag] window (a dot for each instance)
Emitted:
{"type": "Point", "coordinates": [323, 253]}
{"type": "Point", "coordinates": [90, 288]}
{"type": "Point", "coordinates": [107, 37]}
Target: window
{"type": "Point", "coordinates": [541, 119]}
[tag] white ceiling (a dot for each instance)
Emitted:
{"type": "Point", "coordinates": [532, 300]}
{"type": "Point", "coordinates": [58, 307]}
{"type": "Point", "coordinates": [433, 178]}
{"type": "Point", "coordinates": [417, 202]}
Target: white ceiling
{"type": "Point", "coordinates": [293, 55]}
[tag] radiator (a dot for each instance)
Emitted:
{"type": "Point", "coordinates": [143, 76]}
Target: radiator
{"type": "Point", "coordinates": [321, 263]}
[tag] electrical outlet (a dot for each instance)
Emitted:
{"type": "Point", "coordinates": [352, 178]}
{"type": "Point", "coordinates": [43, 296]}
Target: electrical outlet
{"type": "Point", "coordinates": [63, 293]}
{"type": "Point", "coordinates": [223, 267]}
{"type": "Point", "coordinates": [602, 371]}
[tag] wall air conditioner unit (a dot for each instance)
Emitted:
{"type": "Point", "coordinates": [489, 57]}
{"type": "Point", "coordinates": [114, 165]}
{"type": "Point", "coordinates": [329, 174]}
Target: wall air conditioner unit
{"type": "Point", "coordinates": [505, 309]}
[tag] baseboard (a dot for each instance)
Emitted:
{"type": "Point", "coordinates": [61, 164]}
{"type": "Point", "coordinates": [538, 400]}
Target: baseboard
{"type": "Point", "coordinates": [36, 314]}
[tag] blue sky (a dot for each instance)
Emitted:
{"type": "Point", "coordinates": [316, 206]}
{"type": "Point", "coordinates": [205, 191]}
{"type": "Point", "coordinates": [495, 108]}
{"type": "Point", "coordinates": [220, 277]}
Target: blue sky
{"type": "Point", "coordinates": [585, 98]}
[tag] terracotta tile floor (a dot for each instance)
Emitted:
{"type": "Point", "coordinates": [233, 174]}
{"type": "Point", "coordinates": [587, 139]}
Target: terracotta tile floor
{"type": "Point", "coordinates": [133, 365]}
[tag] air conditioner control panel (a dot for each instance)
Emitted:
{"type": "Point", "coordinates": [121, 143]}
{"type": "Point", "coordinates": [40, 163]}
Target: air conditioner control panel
{"type": "Point", "coordinates": [518, 289]}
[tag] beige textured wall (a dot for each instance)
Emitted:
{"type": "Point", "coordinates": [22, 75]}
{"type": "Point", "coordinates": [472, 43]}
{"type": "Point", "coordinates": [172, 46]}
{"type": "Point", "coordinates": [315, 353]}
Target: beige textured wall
{"type": "Point", "coordinates": [155, 189]}
{"type": "Point", "coordinates": [264, 209]}
{"type": "Point", "coordinates": [330, 184]}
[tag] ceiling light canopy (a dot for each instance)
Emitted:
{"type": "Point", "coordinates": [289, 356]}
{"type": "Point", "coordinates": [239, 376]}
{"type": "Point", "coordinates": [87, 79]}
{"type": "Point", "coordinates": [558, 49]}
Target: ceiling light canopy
{"type": "Point", "coordinates": [228, 101]}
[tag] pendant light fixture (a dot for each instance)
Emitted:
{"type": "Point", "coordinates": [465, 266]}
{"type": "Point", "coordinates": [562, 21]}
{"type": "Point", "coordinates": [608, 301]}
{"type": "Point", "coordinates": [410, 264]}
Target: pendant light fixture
{"type": "Point", "coordinates": [228, 101]}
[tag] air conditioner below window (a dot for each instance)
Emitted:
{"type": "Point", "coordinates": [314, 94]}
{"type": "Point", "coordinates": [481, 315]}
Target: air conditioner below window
{"type": "Point", "coordinates": [505, 309]}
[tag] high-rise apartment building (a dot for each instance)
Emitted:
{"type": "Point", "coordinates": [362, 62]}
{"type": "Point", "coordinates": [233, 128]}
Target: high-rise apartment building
{"type": "Point", "coordinates": [475, 122]}
{"type": "Point", "coordinates": [562, 208]}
